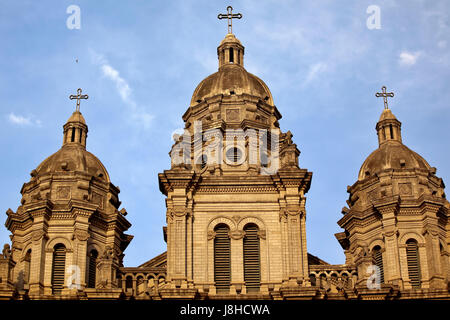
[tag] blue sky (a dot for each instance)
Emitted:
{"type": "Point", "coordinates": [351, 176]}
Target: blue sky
{"type": "Point", "coordinates": [140, 62]}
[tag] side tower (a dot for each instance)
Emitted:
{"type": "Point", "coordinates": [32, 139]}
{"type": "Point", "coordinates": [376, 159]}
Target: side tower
{"type": "Point", "coordinates": [397, 219]}
{"type": "Point", "coordinates": [235, 193]}
{"type": "Point", "coordinates": [68, 234]}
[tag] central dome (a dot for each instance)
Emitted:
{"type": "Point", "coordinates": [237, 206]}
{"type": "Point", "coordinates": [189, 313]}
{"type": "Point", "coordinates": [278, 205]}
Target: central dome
{"type": "Point", "coordinates": [231, 79]}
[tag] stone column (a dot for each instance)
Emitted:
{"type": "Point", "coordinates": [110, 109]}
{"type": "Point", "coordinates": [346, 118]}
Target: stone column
{"type": "Point", "coordinates": [294, 246]}
{"type": "Point", "coordinates": [393, 274]}
{"type": "Point", "coordinates": [80, 255]}
{"type": "Point", "coordinates": [363, 262]}
{"type": "Point", "coordinates": [237, 261]}
{"type": "Point", "coordinates": [39, 260]}
{"type": "Point", "coordinates": [177, 248]}
{"type": "Point", "coordinates": [433, 253]}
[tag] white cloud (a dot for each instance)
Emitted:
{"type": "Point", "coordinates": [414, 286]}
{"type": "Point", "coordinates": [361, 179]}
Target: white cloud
{"type": "Point", "coordinates": [314, 71]}
{"type": "Point", "coordinates": [23, 121]}
{"type": "Point", "coordinates": [122, 86]}
{"type": "Point", "coordinates": [408, 58]}
{"type": "Point", "coordinates": [137, 113]}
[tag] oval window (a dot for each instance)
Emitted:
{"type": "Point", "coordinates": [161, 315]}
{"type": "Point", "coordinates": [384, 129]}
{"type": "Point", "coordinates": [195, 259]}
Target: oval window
{"type": "Point", "coordinates": [234, 155]}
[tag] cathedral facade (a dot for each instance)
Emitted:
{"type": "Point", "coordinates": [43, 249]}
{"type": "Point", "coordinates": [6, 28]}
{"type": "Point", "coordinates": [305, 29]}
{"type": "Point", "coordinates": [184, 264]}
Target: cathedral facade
{"type": "Point", "coordinates": [235, 198]}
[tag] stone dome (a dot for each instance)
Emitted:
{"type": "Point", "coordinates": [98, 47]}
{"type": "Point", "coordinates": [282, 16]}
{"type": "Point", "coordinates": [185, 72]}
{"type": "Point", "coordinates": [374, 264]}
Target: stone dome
{"type": "Point", "coordinates": [391, 155]}
{"type": "Point", "coordinates": [73, 155]}
{"type": "Point", "coordinates": [231, 78]}
{"type": "Point", "coordinates": [73, 158]}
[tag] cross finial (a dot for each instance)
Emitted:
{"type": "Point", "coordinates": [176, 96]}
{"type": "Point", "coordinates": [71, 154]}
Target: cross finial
{"type": "Point", "coordinates": [385, 95]}
{"type": "Point", "coordinates": [230, 16]}
{"type": "Point", "coordinates": [78, 96]}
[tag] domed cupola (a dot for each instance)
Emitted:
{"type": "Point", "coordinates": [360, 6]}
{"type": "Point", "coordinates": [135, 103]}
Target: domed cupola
{"type": "Point", "coordinates": [75, 130]}
{"type": "Point", "coordinates": [391, 154]}
{"type": "Point", "coordinates": [73, 155]}
{"type": "Point", "coordinates": [69, 208]}
{"type": "Point", "coordinates": [397, 214]}
{"type": "Point", "coordinates": [231, 78]}
{"type": "Point", "coordinates": [230, 51]}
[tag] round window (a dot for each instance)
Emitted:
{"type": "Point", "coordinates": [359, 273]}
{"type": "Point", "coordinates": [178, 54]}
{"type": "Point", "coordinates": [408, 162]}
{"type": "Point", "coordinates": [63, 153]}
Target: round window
{"type": "Point", "coordinates": [234, 155]}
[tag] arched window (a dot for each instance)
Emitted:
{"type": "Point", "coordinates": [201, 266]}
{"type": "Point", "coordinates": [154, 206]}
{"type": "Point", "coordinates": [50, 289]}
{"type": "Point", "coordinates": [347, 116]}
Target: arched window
{"type": "Point", "coordinates": [252, 266]}
{"type": "Point", "coordinates": [27, 266]}
{"type": "Point", "coordinates": [312, 279]}
{"type": "Point", "coordinates": [58, 268]}
{"type": "Point", "coordinates": [92, 268]}
{"type": "Point", "coordinates": [345, 280]}
{"type": "Point", "coordinates": [222, 259]}
{"type": "Point", "coordinates": [128, 283]}
{"type": "Point", "coordinates": [412, 256]}
{"type": "Point", "coordinates": [72, 139]}
{"type": "Point", "coordinates": [377, 258]}
{"type": "Point", "coordinates": [323, 281]}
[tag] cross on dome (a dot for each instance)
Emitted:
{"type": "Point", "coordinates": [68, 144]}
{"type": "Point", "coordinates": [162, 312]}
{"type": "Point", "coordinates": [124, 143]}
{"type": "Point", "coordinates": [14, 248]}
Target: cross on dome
{"type": "Point", "coordinates": [230, 16]}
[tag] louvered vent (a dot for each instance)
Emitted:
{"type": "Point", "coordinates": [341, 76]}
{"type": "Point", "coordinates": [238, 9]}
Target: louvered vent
{"type": "Point", "coordinates": [252, 268]}
{"type": "Point", "coordinates": [222, 260]}
{"type": "Point", "coordinates": [92, 268]}
{"type": "Point", "coordinates": [378, 261]}
{"type": "Point", "coordinates": [412, 256]}
{"type": "Point", "coordinates": [59, 267]}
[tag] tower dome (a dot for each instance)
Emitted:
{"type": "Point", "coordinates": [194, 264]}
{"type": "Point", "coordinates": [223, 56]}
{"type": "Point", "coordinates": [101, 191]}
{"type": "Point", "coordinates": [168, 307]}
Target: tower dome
{"type": "Point", "coordinates": [69, 211]}
{"type": "Point", "coordinates": [73, 155]}
{"type": "Point", "coordinates": [231, 78]}
{"type": "Point", "coordinates": [391, 153]}
{"type": "Point", "coordinates": [397, 205]}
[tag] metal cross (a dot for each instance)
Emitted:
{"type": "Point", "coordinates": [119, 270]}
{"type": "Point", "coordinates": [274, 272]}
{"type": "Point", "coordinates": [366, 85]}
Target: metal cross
{"type": "Point", "coordinates": [385, 95]}
{"type": "Point", "coordinates": [78, 96]}
{"type": "Point", "coordinates": [230, 16]}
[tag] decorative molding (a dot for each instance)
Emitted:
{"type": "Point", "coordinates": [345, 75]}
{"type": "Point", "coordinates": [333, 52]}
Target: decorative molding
{"type": "Point", "coordinates": [232, 115]}
{"type": "Point", "coordinates": [211, 235]}
{"type": "Point", "coordinates": [236, 219]}
{"type": "Point", "coordinates": [236, 234]}
{"type": "Point", "coordinates": [38, 235]}
{"type": "Point", "coordinates": [62, 193]}
{"type": "Point", "coordinates": [81, 235]}
{"type": "Point", "coordinates": [262, 234]}
{"type": "Point", "coordinates": [405, 188]}
{"type": "Point", "coordinates": [237, 189]}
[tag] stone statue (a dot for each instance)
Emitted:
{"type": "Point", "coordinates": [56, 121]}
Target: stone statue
{"type": "Point", "coordinates": [6, 251]}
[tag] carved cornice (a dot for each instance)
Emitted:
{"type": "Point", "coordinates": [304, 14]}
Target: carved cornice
{"type": "Point", "coordinates": [236, 189]}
